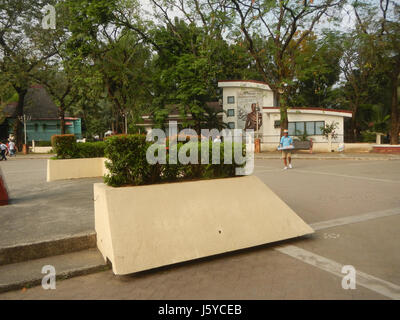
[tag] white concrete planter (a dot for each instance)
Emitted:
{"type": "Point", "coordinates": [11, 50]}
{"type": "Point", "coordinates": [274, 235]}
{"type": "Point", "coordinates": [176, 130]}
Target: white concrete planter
{"type": "Point", "coordinates": [144, 227]}
{"type": "Point", "coordinates": [40, 149]}
{"type": "Point", "coordinates": [75, 168]}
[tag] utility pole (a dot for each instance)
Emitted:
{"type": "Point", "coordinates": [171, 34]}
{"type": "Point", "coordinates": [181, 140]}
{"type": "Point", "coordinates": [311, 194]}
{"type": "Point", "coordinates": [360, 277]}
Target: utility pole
{"type": "Point", "coordinates": [24, 119]}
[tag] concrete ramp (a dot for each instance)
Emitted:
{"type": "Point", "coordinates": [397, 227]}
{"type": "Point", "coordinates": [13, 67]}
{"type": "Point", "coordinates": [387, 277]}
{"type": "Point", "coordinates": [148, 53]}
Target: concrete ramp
{"type": "Point", "coordinates": [145, 227]}
{"type": "Point", "coordinates": [3, 190]}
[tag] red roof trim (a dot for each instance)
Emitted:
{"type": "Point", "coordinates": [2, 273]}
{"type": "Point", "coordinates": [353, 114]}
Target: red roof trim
{"type": "Point", "coordinates": [317, 109]}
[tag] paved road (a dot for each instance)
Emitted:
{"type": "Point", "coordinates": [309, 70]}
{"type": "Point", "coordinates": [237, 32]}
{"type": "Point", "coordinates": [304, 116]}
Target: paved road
{"type": "Point", "coordinates": [359, 202]}
{"type": "Point", "coordinates": [41, 210]}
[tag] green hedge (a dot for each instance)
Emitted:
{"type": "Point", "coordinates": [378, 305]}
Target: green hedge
{"type": "Point", "coordinates": [41, 143]}
{"type": "Point", "coordinates": [128, 164]}
{"type": "Point", "coordinates": [66, 147]}
{"type": "Point", "coordinates": [90, 150]}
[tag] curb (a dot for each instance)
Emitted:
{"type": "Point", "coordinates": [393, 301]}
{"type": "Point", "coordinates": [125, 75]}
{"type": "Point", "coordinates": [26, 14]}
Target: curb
{"type": "Point", "coordinates": [62, 276]}
{"type": "Point", "coordinates": [331, 158]}
{"type": "Point", "coordinates": [37, 250]}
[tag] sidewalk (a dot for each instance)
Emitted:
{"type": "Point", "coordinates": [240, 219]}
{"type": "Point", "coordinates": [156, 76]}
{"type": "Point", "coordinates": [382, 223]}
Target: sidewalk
{"type": "Point", "coordinates": [331, 156]}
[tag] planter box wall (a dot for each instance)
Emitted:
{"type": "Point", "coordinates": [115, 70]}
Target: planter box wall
{"type": "Point", "coordinates": [381, 148]}
{"type": "Point", "coordinates": [75, 168]}
{"type": "Point", "coordinates": [144, 227]}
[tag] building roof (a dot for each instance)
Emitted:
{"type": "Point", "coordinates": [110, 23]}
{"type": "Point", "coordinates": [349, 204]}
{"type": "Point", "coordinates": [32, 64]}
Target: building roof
{"type": "Point", "coordinates": [251, 81]}
{"type": "Point", "coordinates": [345, 113]}
{"type": "Point", "coordinates": [244, 84]}
{"type": "Point", "coordinates": [37, 104]}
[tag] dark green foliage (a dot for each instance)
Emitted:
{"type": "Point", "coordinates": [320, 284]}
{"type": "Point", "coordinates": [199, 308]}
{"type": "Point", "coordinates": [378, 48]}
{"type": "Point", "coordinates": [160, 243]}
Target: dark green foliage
{"type": "Point", "coordinates": [89, 150]}
{"type": "Point", "coordinates": [368, 136]}
{"type": "Point", "coordinates": [128, 164]}
{"type": "Point", "coordinates": [66, 147]}
{"type": "Point", "coordinates": [42, 143]}
{"type": "Point", "coordinates": [63, 145]}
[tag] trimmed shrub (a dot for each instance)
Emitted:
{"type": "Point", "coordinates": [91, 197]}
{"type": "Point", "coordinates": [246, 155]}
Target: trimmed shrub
{"type": "Point", "coordinates": [41, 143]}
{"type": "Point", "coordinates": [64, 145]}
{"type": "Point", "coordinates": [128, 165]}
{"type": "Point", "coordinates": [89, 150]}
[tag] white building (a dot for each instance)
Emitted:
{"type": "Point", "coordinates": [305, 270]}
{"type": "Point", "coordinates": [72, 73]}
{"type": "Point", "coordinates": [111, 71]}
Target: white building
{"type": "Point", "coordinates": [240, 98]}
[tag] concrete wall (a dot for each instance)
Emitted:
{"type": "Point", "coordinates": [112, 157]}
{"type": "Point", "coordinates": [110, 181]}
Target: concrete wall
{"type": "Point", "coordinates": [255, 93]}
{"type": "Point", "coordinates": [144, 227]}
{"type": "Point", "coordinates": [75, 168]}
{"type": "Point", "coordinates": [40, 149]}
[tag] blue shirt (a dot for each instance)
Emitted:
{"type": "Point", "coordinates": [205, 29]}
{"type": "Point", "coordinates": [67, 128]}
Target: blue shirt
{"type": "Point", "coordinates": [286, 141]}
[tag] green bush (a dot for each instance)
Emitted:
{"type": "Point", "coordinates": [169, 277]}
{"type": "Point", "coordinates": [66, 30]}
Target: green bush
{"type": "Point", "coordinates": [89, 150]}
{"type": "Point", "coordinates": [368, 136]}
{"type": "Point", "coordinates": [128, 165]}
{"type": "Point", "coordinates": [42, 144]}
{"type": "Point", "coordinates": [66, 147]}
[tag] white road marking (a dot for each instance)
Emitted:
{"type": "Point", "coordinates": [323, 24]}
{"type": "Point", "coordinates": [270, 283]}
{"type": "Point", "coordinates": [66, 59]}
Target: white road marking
{"type": "Point", "coordinates": [365, 280]}
{"type": "Point", "coordinates": [346, 176]}
{"type": "Point", "coordinates": [355, 219]}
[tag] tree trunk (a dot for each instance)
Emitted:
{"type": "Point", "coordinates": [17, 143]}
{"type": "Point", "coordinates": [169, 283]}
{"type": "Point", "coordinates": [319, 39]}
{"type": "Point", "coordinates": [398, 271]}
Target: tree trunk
{"type": "Point", "coordinates": [354, 123]}
{"type": "Point", "coordinates": [394, 132]}
{"type": "Point", "coordinates": [18, 125]}
{"type": "Point", "coordinates": [283, 113]}
{"type": "Point", "coordinates": [354, 128]}
{"type": "Point", "coordinates": [62, 120]}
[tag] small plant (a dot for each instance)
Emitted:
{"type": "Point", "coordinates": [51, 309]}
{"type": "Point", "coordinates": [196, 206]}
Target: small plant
{"type": "Point", "coordinates": [368, 136]}
{"type": "Point", "coordinates": [302, 136]}
{"type": "Point", "coordinates": [329, 130]}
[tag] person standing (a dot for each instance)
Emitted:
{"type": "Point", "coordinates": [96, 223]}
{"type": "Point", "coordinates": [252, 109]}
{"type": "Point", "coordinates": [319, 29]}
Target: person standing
{"type": "Point", "coordinates": [3, 149]}
{"type": "Point", "coordinates": [286, 144]}
{"type": "Point", "coordinates": [11, 148]}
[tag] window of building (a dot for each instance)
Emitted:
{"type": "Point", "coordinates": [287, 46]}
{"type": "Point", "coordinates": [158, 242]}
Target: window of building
{"type": "Point", "coordinates": [231, 125]}
{"type": "Point", "coordinates": [292, 128]}
{"type": "Point", "coordinates": [231, 99]}
{"type": "Point", "coordinates": [299, 128]}
{"type": "Point", "coordinates": [277, 124]}
{"type": "Point", "coordinates": [318, 125]}
{"type": "Point", "coordinates": [231, 112]}
{"type": "Point", "coordinates": [311, 128]}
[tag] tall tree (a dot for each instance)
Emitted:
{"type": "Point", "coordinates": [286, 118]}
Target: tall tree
{"type": "Point", "coordinates": [380, 26]}
{"type": "Point", "coordinates": [273, 32]}
{"type": "Point", "coordinates": [24, 47]}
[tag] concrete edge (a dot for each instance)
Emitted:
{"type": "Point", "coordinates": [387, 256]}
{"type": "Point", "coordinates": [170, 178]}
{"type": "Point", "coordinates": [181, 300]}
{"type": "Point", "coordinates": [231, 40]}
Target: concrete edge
{"type": "Point", "coordinates": [61, 276]}
{"type": "Point", "coordinates": [329, 158]}
{"type": "Point", "coordinates": [37, 250]}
